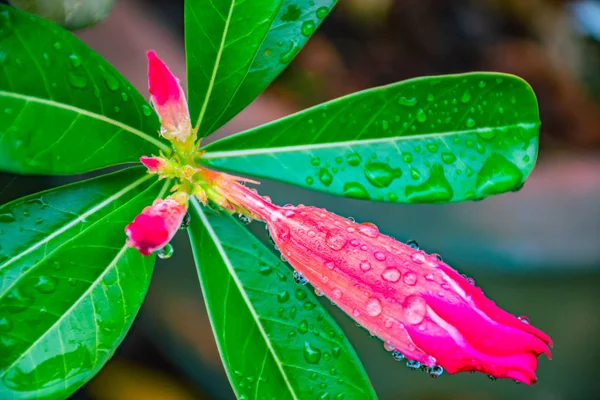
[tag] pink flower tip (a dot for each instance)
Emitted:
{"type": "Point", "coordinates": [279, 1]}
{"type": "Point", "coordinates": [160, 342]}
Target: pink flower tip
{"type": "Point", "coordinates": [162, 84]}
{"type": "Point", "coordinates": [155, 226]}
{"type": "Point", "coordinates": [154, 164]}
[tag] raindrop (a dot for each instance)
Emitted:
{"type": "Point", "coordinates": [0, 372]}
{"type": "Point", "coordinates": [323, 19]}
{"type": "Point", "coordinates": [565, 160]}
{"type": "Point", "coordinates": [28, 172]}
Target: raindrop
{"type": "Point", "coordinates": [381, 174]}
{"type": "Point", "coordinates": [111, 82]}
{"type": "Point", "coordinates": [75, 60]}
{"type": "Point", "coordinates": [166, 252]}
{"type": "Point", "coordinates": [498, 175]}
{"type": "Point", "coordinates": [325, 177]}
{"type": "Point", "coordinates": [418, 258]}
{"type": "Point", "coordinates": [303, 326]}
{"type": "Point", "coordinates": [265, 270]}
{"type": "Point", "coordinates": [391, 274]}
{"type": "Point", "coordinates": [413, 364]}
{"type": "Point", "coordinates": [413, 244]}
{"type": "Point", "coordinates": [355, 190]}
{"type": "Point", "coordinates": [299, 278]}
{"type": "Point", "coordinates": [380, 256]}
{"type": "Point", "coordinates": [466, 97]}
{"type": "Point", "coordinates": [365, 265]}
{"type": "Point", "coordinates": [409, 278]}
{"type": "Point", "coordinates": [408, 102]}
{"type": "Point", "coordinates": [368, 229]}
{"type": "Point", "coordinates": [45, 284]}
{"type": "Point", "coordinates": [421, 116]}
{"type": "Point", "coordinates": [283, 296]}
{"type": "Point", "coordinates": [335, 240]}
{"type": "Point", "coordinates": [373, 307]}
{"type": "Point", "coordinates": [77, 81]}
{"type": "Point", "coordinates": [398, 356]}
{"type": "Point", "coordinates": [524, 319]}
{"type": "Point", "coordinates": [286, 57]}
{"type": "Point", "coordinates": [300, 294]}
{"type": "Point", "coordinates": [308, 27]}
{"type": "Point", "coordinates": [244, 220]}
{"type": "Point", "coordinates": [436, 189]}
{"type": "Point", "coordinates": [470, 122]}
{"type": "Point", "coordinates": [353, 159]}
{"type": "Point", "coordinates": [415, 309]}
{"type": "Point", "coordinates": [124, 96]}
{"type": "Point", "coordinates": [435, 371]}
{"type": "Point", "coordinates": [322, 12]}
{"type": "Point", "coordinates": [309, 180]}
{"type": "Point", "coordinates": [146, 110]}
{"type": "Point", "coordinates": [312, 355]}
{"type": "Point", "coordinates": [448, 158]}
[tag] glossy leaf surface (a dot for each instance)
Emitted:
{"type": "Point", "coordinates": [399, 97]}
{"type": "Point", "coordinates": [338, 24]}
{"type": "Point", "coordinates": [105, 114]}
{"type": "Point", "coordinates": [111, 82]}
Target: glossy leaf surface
{"type": "Point", "coordinates": [434, 139]}
{"type": "Point", "coordinates": [69, 288]}
{"type": "Point", "coordinates": [63, 108]}
{"type": "Point", "coordinates": [235, 48]}
{"type": "Point", "coordinates": [275, 339]}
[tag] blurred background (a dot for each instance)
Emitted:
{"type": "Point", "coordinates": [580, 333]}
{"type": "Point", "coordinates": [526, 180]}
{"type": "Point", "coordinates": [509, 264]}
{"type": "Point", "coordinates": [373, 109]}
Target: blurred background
{"type": "Point", "coordinates": [535, 252]}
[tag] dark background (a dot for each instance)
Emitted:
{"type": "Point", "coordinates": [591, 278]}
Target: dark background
{"type": "Point", "coordinates": [535, 252]}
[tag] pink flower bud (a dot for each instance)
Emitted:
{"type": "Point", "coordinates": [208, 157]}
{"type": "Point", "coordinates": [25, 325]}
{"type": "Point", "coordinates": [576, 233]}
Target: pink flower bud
{"type": "Point", "coordinates": [414, 302]}
{"type": "Point", "coordinates": [411, 300]}
{"type": "Point", "coordinates": [156, 225]}
{"type": "Point", "coordinates": [168, 99]}
{"type": "Point", "coordinates": [154, 164]}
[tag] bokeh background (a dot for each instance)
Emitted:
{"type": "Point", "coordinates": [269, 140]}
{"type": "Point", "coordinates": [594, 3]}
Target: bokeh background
{"type": "Point", "coordinates": [536, 252]}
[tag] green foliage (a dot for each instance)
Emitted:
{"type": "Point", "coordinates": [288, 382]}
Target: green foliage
{"type": "Point", "coordinates": [274, 337]}
{"type": "Point", "coordinates": [425, 140]}
{"type": "Point", "coordinates": [234, 49]}
{"type": "Point", "coordinates": [69, 288]}
{"type": "Point", "coordinates": [63, 108]}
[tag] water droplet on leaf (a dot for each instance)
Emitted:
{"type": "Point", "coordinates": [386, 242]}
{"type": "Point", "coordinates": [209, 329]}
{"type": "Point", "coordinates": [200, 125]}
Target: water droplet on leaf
{"type": "Point", "coordinates": [166, 252]}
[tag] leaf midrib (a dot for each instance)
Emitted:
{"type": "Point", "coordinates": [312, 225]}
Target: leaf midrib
{"type": "Point", "coordinates": [239, 285]}
{"type": "Point", "coordinates": [87, 113]}
{"type": "Point", "coordinates": [309, 147]}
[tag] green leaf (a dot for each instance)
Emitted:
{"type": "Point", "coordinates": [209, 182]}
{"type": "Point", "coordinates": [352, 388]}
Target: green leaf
{"type": "Point", "coordinates": [63, 108]}
{"type": "Point", "coordinates": [275, 339]}
{"type": "Point", "coordinates": [69, 288]}
{"type": "Point", "coordinates": [426, 140]}
{"type": "Point", "coordinates": [234, 49]}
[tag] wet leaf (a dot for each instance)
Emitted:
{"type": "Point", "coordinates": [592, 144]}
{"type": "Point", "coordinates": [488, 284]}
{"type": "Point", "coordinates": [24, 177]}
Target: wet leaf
{"type": "Point", "coordinates": [69, 288]}
{"type": "Point", "coordinates": [274, 337]}
{"type": "Point", "coordinates": [63, 108]}
{"type": "Point", "coordinates": [427, 140]}
{"type": "Point", "coordinates": [235, 48]}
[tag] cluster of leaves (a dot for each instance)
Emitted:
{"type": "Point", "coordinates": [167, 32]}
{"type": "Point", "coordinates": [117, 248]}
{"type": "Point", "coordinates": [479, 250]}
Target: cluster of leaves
{"type": "Point", "coordinates": [70, 289]}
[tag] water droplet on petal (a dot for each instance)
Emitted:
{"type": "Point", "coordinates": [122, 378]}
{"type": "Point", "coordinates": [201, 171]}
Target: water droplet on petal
{"type": "Point", "coordinates": [365, 265]}
{"type": "Point", "coordinates": [409, 278]}
{"type": "Point", "coordinates": [373, 307]}
{"type": "Point", "coordinates": [418, 258]}
{"type": "Point", "coordinates": [380, 256]}
{"type": "Point", "coordinates": [413, 364]}
{"type": "Point", "coordinates": [391, 274]}
{"type": "Point", "coordinates": [299, 278]}
{"type": "Point", "coordinates": [435, 371]}
{"type": "Point", "coordinates": [368, 229]}
{"type": "Point", "coordinates": [335, 239]}
{"type": "Point", "coordinates": [524, 319]}
{"type": "Point", "coordinates": [413, 244]}
{"type": "Point", "coordinates": [415, 309]}
{"type": "Point", "coordinates": [398, 356]}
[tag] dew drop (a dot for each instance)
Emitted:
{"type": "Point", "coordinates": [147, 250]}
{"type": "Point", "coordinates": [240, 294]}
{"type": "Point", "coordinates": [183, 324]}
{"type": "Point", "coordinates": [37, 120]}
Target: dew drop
{"type": "Point", "coordinates": [470, 122]}
{"type": "Point", "coordinates": [409, 278]}
{"type": "Point", "coordinates": [75, 60]}
{"type": "Point", "coordinates": [436, 189]}
{"type": "Point", "coordinates": [380, 256]}
{"type": "Point", "coordinates": [418, 258]}
{"type": "Point", "coordinates": [300, 294]}
{"type": "Point", "coordinates": [448, 158]}
{"type": "Point", "coordinates": [368, 229]}
{"type": "Point", "coordinates": [365, 265]}
{"type": "Point", "coordinates": [308, 27]}
{"type": "Point", "coordinates": [166, 252]}
{"type": "Point", "coordinates": [335, 240]}
{"type": "Point", "coordinates": [312, 355]}
{"type": "Point", "coordinates": [466, 96]}
{"type": "Point", "coordinates": [244, 220]}
{"type": "Point", "coordinates": [146, 110]}
{"type": "Point", "coordinates": [111, 82]}
{"type": "Point", "coordinates": [398, 356]}
{"type": "Point", "coordinates": [303, 326]}
{"type": "Point", "coordinates": [381, 174]}
{"type": "Point", "coordinates": [415, 309]}
{"type": "Point", "coordinates": [421, 116]}
{"type": "Point", "coordinates": [373, 307]}
{"type": "Point", "coordinates": [309, 180]}
{"type": "Point", "coordinates": [413, 244]}
{"type": "Point", "coordinates": [498, 175]}
{"type": "Point", "coordinates": [524, 319]}
{"type": "Point", "coordinates": [322, 12]}
{"type": "Point", "coordinates": [413, 364]}
{"type": "Point", "coordinates": [45, 284]}
{"type": "Point", "coordinates": [408, 102]}
{"type": "Point", "coordinates": [391, 274]}
{"type": "Point", "coordinates": [325, 177]}
{"type": "Point", "coordinates": [353, 159]}
{"type": "Point", "coordinates": [435, 371]}
{"type": "Point", "coordinates": [290, 53]}
{"type": "Point", "coordinates": [283, 296]}
{"type": "Point", "coordinates": [337, 293]}
{"type": "Point", "coordinates": [75, 80]}
{"type": "Point", "coordinates": [299, 278]}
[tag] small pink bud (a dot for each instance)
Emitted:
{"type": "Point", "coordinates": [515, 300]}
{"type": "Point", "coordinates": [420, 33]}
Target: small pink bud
{"type": "Point", "coordinates": [156, 225]}
{"type": "Point", "coordinates": [414, 302]}
{"type": "Point", "coordinates": [154, 164]}
{"type": "Point", "coordinates": [169, 100]}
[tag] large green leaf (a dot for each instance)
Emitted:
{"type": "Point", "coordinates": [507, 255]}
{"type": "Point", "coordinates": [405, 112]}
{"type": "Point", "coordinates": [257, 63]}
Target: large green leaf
{"type": "Point", "coordinates": [69, 288]}
{"type": "Point", "coordinates": [235, 48]}
{"type": "Point", "coordinates": [63, 108]}
{"type": "Point", "coordinates": [275, 340]}
{"type": "Point", "coordinates": [435, 139]}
